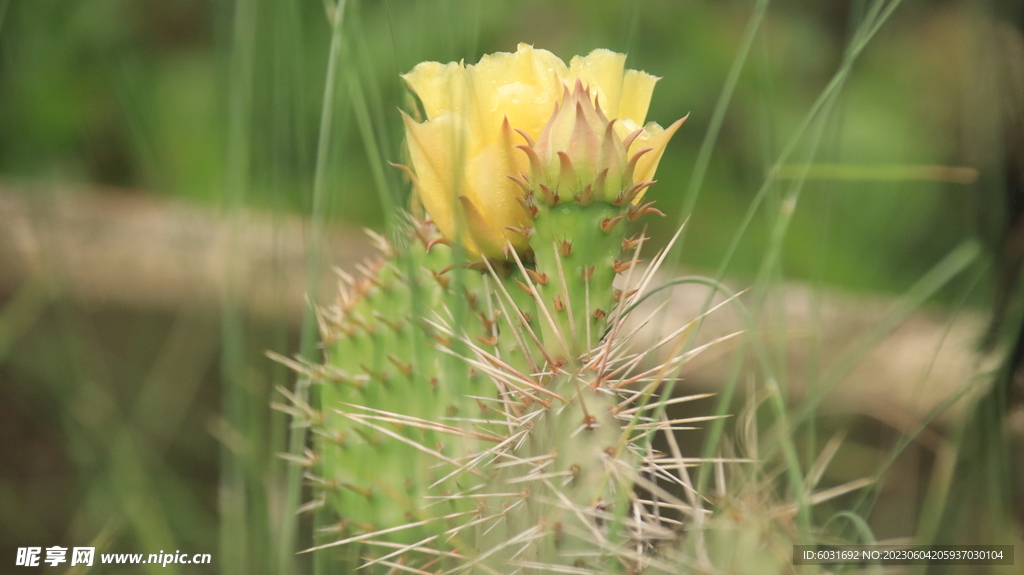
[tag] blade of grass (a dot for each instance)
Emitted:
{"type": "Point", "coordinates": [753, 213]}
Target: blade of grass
{"type": "Point", "coordinates": [959, 259]}
{"type": "Point", "coordinates": [297, 440]}
{"type": "Point", "coordinates": [235, 553]}
{"type": "Point", "coordinates": [707, 145]}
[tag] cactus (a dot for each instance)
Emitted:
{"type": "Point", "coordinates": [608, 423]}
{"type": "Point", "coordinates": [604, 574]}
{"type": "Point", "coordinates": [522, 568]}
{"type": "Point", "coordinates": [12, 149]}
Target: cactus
{"type": "Point", "coordinates": [482, 408]}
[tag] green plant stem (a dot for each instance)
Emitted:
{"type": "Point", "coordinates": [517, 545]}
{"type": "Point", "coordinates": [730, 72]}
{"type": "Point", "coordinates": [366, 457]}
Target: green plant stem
{"type": "Point", "coordinates": [297, 440]}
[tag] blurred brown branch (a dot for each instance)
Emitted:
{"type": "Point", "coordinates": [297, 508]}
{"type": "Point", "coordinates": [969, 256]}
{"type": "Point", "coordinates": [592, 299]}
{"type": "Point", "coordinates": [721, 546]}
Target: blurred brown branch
{"type": "Point", "coordinates": [126, 249]}
{"type": "Point", "coordinates": [135, 251]}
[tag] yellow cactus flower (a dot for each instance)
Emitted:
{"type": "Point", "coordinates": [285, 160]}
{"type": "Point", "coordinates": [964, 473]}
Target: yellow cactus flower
{"type": "Point", "coordinates": [495, 129]}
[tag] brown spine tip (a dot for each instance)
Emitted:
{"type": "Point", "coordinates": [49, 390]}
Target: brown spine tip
{"type": "Point", "coordinates": [565, 249]}
{"type": "Point", "coordinates": [599, 313]}
{"type": "Point", "coordinates": [488, 324]}
{"type": "Point", "coordinates": [525, 185]}
{"type": "Point", "coordinates": [442, 280]}
{"type": "Point", "coordinates": [490, 341]}
{"type": "Point", "coordinates": [524, 287]}
{"type": "Point", "coordinates": [626, 196]}
{"type": "Point", "coordinates": [542, 279]}
{"type": "Point", "coordinates": [635, 212]}
{"type": "Point", "coordinates": [558, 303]}
{"type": "Point", "coordinates": [478, 265]}
{"type": "Point", "coordinates": [402, 366]}
{"type": "Point", "coordinates": [632, 243]}
{"type": "Point", "coordinates": [620, 266]}
{"type": "Point", "coordinates": [525, 232]}
{"type": "Point", "coordinates": [608, 224]}
{"type": "Point", "coordinates": [430, 244]}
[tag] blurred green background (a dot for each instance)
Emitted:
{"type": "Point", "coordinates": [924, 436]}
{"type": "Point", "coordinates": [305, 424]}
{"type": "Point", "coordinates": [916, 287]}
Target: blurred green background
{"type": "Point", "coordinates": [146, 426]}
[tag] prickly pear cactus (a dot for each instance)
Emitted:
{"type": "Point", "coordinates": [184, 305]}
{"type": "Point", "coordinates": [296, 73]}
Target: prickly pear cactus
{"type": "Point", "coordinates": [482, 408]}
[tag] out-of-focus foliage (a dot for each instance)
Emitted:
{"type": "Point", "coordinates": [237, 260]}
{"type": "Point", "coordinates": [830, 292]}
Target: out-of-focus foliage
{"type": "Point", "coordinates": [135, 429]}
{"type": "Point", "coordinates": [131, 93]}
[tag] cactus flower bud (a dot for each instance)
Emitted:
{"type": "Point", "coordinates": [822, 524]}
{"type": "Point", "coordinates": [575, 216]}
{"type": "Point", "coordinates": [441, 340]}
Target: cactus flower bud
{"type": "Point", "coordinates": [515, 121]}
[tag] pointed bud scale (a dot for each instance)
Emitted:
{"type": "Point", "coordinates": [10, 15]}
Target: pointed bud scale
{"type": "Point", "coordinates": [588, 273]}
{"type": "Point", "coordinates": [529, 139]}
{"type": "Point", "coordinates": [565, 248]}
{"type": "Point", "coordinates": [601, 184]}
{"type": "Point", "coordinates": [535, 163]}
{"type": "Point", "coordinates": [558, 303]}
{"type": "Point", "coordinates": [550, 197]}
{"type": "Point", "coordinates": [524, 287]}
{"type": "Point", "coordinates": [585, 195]}
{"type": "Point", "coordinates": [628, 140]}
{"type": "Point", "coordinates": [631, 166]}
{"type": "Point", "coordinates": [599, 314]}
{"type": "Point", "coordinates": [566, 174]}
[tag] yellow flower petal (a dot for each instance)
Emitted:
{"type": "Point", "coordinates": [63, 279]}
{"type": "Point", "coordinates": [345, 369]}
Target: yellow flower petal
{"type": "Point", "coordinates": [432, 149]}
{"type": "Point", "coordinates": [493, 192]}
{"type": "Point", "coordinates": [522, 86]}
{"type": "Point", "coordinates": [441, 87]}
{"type": "Point", "coordinates": [637, 88]}
{"type": "Point", "coordinates": [601, 71]}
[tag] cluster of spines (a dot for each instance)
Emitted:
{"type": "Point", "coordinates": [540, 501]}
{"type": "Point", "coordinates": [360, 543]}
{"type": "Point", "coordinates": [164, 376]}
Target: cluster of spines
{"type": "Point", "coordinates": [547, 469]}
